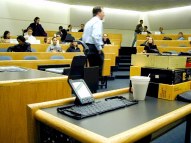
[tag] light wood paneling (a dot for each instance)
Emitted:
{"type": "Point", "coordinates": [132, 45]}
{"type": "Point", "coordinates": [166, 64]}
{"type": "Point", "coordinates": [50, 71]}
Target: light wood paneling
{"type": "Point", "coordinates": [166, 49]}
{"type": "Point", "coordinates": [15, 95]}
{"type": "Point", "coordinates": [160, 37]}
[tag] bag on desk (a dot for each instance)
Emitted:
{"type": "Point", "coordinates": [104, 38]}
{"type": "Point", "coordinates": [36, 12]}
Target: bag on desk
{"type": "Point", "coordinates": [185, 97]}
{"type": "Point", "coordinates": [167, 38]}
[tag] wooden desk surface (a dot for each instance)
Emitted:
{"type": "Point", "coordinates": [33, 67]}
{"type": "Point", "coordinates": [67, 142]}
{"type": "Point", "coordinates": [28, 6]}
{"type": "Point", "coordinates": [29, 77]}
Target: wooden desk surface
{"type": "Point", "coordinates": [26, 75]}
{"type": "Point", "coordinates": [17, 89]}
{"type": "Point", "coordinates": [115, 122]}
{"type": "Point", "coordinates": [125, 125]}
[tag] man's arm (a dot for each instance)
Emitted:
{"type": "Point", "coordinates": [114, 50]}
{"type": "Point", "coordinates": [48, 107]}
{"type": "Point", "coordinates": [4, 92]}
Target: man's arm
{"type": "Point", "coordinates": [42, 31]}
{"type": "Point", "coordinates": [97, 35]}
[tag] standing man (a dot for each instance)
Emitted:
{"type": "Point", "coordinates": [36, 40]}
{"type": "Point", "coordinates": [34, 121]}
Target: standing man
{"type": "Point", "coordinates": [138, 30]}
{"type": "Point", "coordinates": [92, 36]}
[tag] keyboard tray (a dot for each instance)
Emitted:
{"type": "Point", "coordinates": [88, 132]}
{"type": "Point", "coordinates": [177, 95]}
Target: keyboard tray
{"type": "Point", "coordinates": [95, 108]}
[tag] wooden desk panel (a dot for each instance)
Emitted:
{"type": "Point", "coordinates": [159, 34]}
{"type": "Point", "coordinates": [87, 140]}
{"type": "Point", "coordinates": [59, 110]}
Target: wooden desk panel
{"type": "Point", "coordinates": [34, 63]}
{"type": "Point", "coordinates": [160, 37]}
{"type": "Point", "coordinates": [78, 132]}
{"type": "Point", "coordinates": [16, 94]}
{"type": "Point", "coordinates": [40, 55]}
{"type": "Point", "coordinates": [168, 43]}
{"type": "Point", "coordinates": [166, 49]}
{"type": "Point", "coordinates": [111, 49]}
{"type": "Point", "coordinates": [43, 47]}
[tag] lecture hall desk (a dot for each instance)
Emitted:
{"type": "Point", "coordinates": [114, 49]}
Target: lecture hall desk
{"type": "Point", "coordinates": [166, 49]}
{"type": "Point", "coordinates": [17, 89]}
{"type": "Point", "coordinates": [141, 123]}
{"type": "Point", "coordinates": [168, 43]}
{"type": "Point", "coordinates": [161, 36]}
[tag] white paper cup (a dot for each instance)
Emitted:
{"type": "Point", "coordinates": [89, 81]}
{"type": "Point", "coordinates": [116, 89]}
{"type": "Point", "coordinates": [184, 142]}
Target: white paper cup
{"type": "Point", "coordinates": [140, 85]}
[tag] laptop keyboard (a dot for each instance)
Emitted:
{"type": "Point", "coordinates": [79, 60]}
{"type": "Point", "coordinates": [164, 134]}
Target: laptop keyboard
{"type": "Point", "coordinates": [96, 108]}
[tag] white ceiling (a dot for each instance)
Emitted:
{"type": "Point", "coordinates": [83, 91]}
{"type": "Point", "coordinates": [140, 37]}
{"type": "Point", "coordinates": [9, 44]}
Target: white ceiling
{"type": "Point", "coordinates": [137, 5]}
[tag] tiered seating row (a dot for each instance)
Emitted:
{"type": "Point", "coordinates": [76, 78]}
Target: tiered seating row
{"type": "Point", "coordinates": [166, 49]}
{"type": "Point", "coordinates": [160, 37]}
{"type": "Point", "coordinates": [168, 43]}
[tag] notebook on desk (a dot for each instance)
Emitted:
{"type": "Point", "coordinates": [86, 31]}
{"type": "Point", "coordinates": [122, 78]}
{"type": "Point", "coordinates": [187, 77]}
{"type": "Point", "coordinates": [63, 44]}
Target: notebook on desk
{"type": "Point", "coordinates": [86, 106]}
{"type": "Point", "coordinates": [11, 69]}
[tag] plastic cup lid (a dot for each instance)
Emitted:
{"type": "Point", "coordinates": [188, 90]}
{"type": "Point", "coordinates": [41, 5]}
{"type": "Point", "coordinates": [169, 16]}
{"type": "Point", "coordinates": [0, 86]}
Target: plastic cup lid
{"type": "Point", "coordinates": [140, 78]}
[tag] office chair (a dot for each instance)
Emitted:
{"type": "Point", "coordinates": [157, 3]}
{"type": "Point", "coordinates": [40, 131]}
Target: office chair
{"type": "Point", "coordinates": [77, 67]}
{"type": "Point", "coordinates": [5, 58]}
{"type": "Point", "coordinates": [30, 58]}
{"type": "Point", "coordinates": [3, 49]}
{"type": "Point", "coordinates": [33, 50]}
{"type": "Point", "coordinates": [56, 57]}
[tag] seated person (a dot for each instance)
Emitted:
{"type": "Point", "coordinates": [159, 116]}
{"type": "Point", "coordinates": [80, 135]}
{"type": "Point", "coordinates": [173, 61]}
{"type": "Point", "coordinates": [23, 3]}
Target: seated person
{"type": "Point", "coordinates": [6, 37]}
{"type": "Point", "coordinates": [23, 46]}
{"type": "Point", "coordinates": [145, 29]}
{"type": "Point", "coordinates": [147, 38]}
{"type": "Point", "coordinates": [81, 28]}
{"type": "Point", "coordinates": [47, 40]}
{"type": "Point", "coordinates": [106, 39]}
{"type": "Point", "coordinates": [38, 30]}
{"type": "Point", "coordinates": [54, 47]}
{"type": "Point", "coordinates": [64, 34]}
{"type": "Point", "coordinates": [69, 28]}
{"type": "Point", "coordinates": [181, 36]}
{"type": "Point", "coordinates": [29, 35]}
{"type": "Point", "coordinates": [161, 30]}
{"type": "Point", "coordinates": [59, 33]}
{"type": "Point", "coordinates": [73, 47]}
{"type": "Point", "coordinates": [150, 47]}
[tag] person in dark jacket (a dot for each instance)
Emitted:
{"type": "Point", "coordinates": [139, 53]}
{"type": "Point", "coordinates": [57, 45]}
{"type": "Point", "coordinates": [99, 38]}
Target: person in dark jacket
{"type": "Point", "coordinates": [73, 47]}
{"type": "Point", "coordinates": [150, 46]}
{"type": "Point", "coordinates": [64, 34]}
{"type": "Point", "coordinates": [106, 39]}
{"type": "Point", "coordinates": [81, 28]}
{"type": "Point", "coordinates": [145, 29]}
{"type": "Point", "coordinates": [37, 28]}
{"type": "Point", "coordinates": [23, 46]}
{"type": "Point", "coordinates": [138, 30]}
{"type": "Point", "coordinates": [147, 38]}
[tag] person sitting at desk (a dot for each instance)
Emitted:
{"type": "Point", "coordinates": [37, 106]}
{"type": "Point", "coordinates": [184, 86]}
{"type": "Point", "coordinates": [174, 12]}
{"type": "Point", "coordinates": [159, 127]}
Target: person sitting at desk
{"type": "Point", "coordinates": [64, 34]}
{"type": "Point", "coordinates": [147, 38]}
{"type": "Point", "coordinates": [81, 28]}
{"type": "Point", "coordinates": [150, 47]}
{"type": "Point", "coordinates": [59, 33]}
{"type": "Point", "coordinates": [161, 30]}
{"type": "Point", "coordinates": [145, 29]}
{"type": "Point", "coordinates": [29, 35]}
{"type": "Point", "coordinates": [106, 40]}
{"type": "Point", "coordinates": [6, 37]}
{"type": "Point", "coordinates": [54, 47]}
{"type": "Point", "coordinates": [23, 46]}
{"type": "Point", "coordinates": [47, 40]}
{"type": "Point", "coordinates": [69, 28]}
{"type": "Point", "coordinates": [73, 47]}
{"type": "Point", "coordinates": [38, 30]}
{"type": "Point", "coordinates": [180, 36]}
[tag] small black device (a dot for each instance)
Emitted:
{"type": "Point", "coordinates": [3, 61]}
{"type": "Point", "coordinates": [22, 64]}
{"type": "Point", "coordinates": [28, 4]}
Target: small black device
{"type": "Point", "coordinates": [82, 92]}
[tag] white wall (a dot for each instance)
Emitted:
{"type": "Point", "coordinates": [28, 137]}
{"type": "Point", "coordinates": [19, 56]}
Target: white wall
{"type": "Point", "coordinates": [170, 19]}
{"type": "Point", "coordinates": [18, 14]}
{"type": "Point", "coordinates": [126, 34]}
{"type": "Point", "coordinates": [116, 21]}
